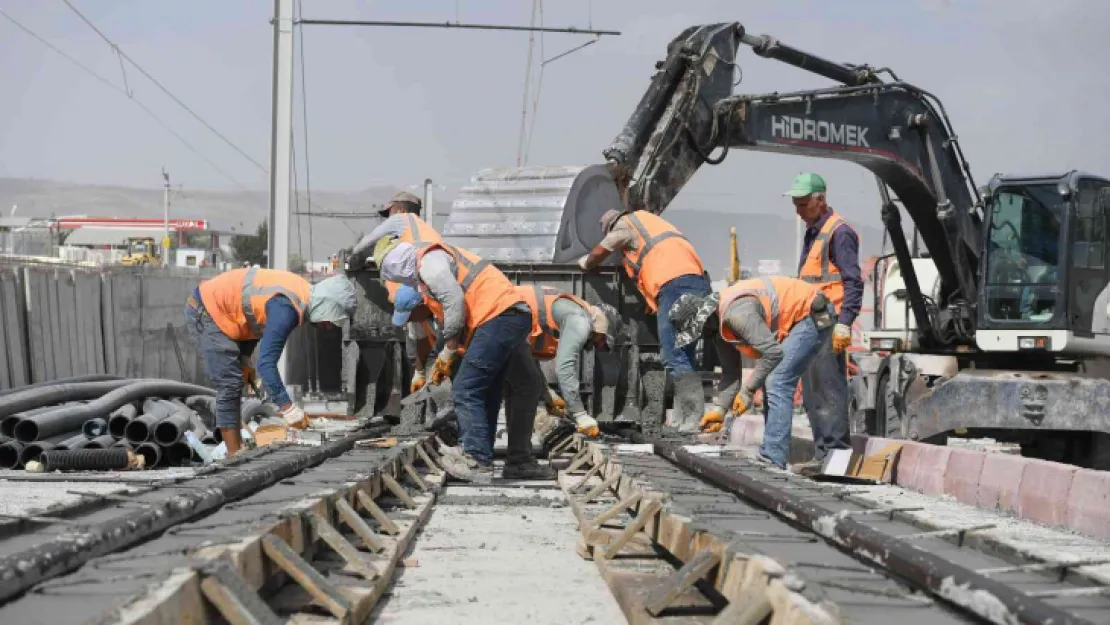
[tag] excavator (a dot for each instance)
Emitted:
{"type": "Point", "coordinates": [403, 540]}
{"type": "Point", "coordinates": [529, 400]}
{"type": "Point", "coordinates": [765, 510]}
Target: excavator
{"type": "Point", "coordinates": [996, 325]}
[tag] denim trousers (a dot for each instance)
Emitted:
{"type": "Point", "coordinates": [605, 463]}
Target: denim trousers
{"type": "Point", "coordinates": [677, 361]}
{"type": "Point", "coordinates": [221, 362]}
{"type": "Point", "coordinates": [825, 395]}
{"type": "Point", "coordinates": [799, 347]}
{"type": "Point", "coordinates": [477, 387]}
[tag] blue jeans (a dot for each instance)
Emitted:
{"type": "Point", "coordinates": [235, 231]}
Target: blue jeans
{"type": "Point", "coordinates": [221, 362]}
{"type": "Point", "coordinates": [825, 395]}
{"type": "Point", "coordinates": [799, 347]}
{"type": "Point", "coordinates": [476, 389]}
{"type": "Point", "coordinates": [677, 361]}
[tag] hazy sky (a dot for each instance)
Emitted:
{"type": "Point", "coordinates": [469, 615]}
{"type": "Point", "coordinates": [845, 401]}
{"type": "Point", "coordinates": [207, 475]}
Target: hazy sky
{"type": "Point", "coordinates": [1025, 82]}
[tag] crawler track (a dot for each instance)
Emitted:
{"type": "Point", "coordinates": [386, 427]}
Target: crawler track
{"type": "Point", "coordinates": [839, 554]}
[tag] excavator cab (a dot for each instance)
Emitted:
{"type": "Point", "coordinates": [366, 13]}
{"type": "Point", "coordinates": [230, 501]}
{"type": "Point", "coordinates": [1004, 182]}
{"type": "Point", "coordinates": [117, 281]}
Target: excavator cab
{"type": "Point", "coordinates": [1044, 286]}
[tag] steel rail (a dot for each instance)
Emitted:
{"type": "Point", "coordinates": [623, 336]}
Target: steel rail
{"type": "Point", "coordinates": [974, 592]}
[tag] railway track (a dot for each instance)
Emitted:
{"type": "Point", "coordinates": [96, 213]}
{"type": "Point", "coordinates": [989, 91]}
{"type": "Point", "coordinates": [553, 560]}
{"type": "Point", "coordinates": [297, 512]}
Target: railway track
{"type": "Point", "coordinates": [686, 537]}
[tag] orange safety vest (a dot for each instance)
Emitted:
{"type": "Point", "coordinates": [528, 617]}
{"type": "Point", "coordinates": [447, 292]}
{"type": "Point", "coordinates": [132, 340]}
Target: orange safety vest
{"type": "Point", "coordinates": [818, 270]}
{"type": "Point", "coordinates": [786, 301]}
{"type": "Point", "coordinates": [544, 337]}
{"type": "Point", "coordinates": [486, 291]}
{"type": "Point", "coordinates": [662, 254]}
{"type": "Point", "coordinates": [391, 289]}
{"type": "Point", "coordinates": [419, 233]}
{"type": "Point", "coordinates": [236, 299]}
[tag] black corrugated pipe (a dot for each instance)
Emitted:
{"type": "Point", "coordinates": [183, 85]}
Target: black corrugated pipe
{"type": "Point", "coordinates": [86, 459]}
{"type": "Point", "coordinates": [177, 454]}
{"type": "Point", "coordinates": [151, 453]}
{"type": "Point", "coordinates": [120, 417]}
{"type": "Point", "coordinates": [170, 430]}
{"type": "Point", "coordinates": [9, 454]}
{"type": "Point", "coordinates": [73, 417]}
{"type": "Point", "coordinates": [141, 428]}
{"type": "Point", "coordinates": [22, 570]}
{"type": "Point", "coordinates": [95, 427]}
{"type": "Point", "coordinates": [57, 394]}
{"type": "Point", "coordinates": [32, 451]}
{"type": "Point", "coordinates": [972, 591]}
{"type": "Point", "coordinates": [104, 441]}
{"type": "Point", "coordinates": [94, 377]}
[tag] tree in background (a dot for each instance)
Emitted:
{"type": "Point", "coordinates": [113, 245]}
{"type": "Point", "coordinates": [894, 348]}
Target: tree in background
{"type": "Point", "coordinates": [297, 264]}
{"type": "Point", "coordinates": [252, 248]}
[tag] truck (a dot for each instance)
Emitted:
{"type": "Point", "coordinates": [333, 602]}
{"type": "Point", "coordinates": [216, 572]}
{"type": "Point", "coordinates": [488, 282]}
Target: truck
{"type": "Point", "coordinates": [993, 322]}
{"type": "Point", "coordinates": [141, 251]}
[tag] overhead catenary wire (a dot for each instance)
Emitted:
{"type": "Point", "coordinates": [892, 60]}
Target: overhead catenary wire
{"type": "Point", "coordinates": [127, 93]}
{"type": "Point", "coordinates": [123, 55]}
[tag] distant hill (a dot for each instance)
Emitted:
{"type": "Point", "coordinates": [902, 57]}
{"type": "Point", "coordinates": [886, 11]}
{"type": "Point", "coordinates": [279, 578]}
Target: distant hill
{"type": "Point", "coordinates": [761, 236]}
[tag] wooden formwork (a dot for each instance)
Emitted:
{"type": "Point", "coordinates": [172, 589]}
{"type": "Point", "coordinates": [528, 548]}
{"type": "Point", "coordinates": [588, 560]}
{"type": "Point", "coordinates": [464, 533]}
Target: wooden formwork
{"type": "Point", "coordinates": [659, 565]}
{"type": "Point", "coordinates": [289, 566]}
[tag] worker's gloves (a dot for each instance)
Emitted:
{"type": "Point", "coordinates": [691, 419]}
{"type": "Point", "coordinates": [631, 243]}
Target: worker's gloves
{"type": "Point", "coordinates": [742, 402]}
{"type": "Point", "coordinates": [247, 367]}
{"type": "Point", "coordinates": [712, 421]}
{"type": "Point", "coordinates": [294, 417]}
{"type": "Point", "coordinates": [582, 262]}
{"type": "Point", "coordinates": [441, 370]}
{"type": "Point", "coordinates": [586, 424]}
{"type": "Point", "coordinates": [841, 338]}
{"type": "Point", "coordinates": [556, 407]}
{"type": "Point", "coordinates": [417, 381]}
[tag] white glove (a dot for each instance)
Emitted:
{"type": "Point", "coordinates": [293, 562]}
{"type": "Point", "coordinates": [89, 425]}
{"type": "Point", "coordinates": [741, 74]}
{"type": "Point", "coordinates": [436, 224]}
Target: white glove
{"type": "Point", "coordinates": [582, 261]}
{"type": "Point", "coordinates": [586, 424]}
{"type": "Point", "coordinates": [841, 338]}
{"type": "Point", "coordinates": [294, 417]}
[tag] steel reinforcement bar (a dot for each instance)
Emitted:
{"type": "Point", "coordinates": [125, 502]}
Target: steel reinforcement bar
{"type": "Point", "coordinates": [958, 585]}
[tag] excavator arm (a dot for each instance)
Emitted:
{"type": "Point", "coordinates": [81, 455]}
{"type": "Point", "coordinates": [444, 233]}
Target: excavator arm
{"type": "Point", "coordinates": [897, 131]}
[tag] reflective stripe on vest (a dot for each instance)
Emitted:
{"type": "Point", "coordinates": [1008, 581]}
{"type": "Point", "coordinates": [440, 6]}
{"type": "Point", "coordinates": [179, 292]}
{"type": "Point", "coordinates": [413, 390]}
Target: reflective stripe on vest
{"type": "Point", "coordinates": [829, 273]}
{"type": "Point", "coordinates": [472, 268]}
{"type": "Point", "coordinates": [767, 291]}
{"type": "Point", "coordinates": [414, 230]}
{"type": "Point", "coordinates": [785, 302]}
{"type": "Point", "coordinates": [249, 291]}
{"type": "Point", "coordinates": [649, 243]}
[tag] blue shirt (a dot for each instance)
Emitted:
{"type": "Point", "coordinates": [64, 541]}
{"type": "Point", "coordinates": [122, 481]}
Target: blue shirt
{"type": "Point", "coordinates": [281, 320]}
{"type": "Point", "coordinates": [844, 255]}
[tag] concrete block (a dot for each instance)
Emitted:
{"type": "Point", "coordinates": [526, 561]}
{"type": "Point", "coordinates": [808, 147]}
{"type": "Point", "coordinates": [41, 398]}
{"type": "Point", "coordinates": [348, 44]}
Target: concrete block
{"type": "Point", "coordinates": [1000, 481]}
{"type": "Point", "coordinates": [930, 469]}
{"type": "Point", "coordinates": [1044, 491]}
{"type": "Point", "coordinates": [1088, 510]}
{"type": "Point", "coordinates": [961, 476]}
{"type": "Point", "coordinates": [905, 471]}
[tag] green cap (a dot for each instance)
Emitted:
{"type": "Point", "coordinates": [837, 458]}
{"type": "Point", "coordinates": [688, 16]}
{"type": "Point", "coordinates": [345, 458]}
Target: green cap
{"type": "Point", "coordinates": [805, 184]}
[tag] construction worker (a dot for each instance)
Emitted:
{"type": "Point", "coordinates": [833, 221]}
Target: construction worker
{"type": "Point", "coordinates": [562, 325]}
{"type": "Point", "coordinates": [403, 221]}
{"type": "Point", "coordinates": [830, 261]}
{"type": "Point", "coordinates": [664, 266]}
{"type": "Point", "coordinates": [779, 321]}
{"type": "Point", "coordinates": [238, 309]}
{"type": "Point", "coordinates": [482, 313]}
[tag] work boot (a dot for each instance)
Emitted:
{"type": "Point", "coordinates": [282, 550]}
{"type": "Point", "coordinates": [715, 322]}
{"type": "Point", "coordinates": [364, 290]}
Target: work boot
{"type": "Point", "coordinates": [689, 402]}
{"type": "Point", "coordinates": [530, 470]}
{"type": "Point", "coordinates": [465, 468]}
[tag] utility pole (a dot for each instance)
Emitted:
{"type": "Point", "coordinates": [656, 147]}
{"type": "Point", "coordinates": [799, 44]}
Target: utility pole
{"type": "Point", "coordinates": [166, 219]}
{"type": "Point", "coordinates": [282, 135]}
{"type": "Point", "coordinates": [429, 209]}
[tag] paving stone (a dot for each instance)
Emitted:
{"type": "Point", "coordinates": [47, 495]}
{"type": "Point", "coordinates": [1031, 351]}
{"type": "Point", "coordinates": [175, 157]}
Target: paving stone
{"type": "Point", "coordinates": [1088, 510]}
{"type": "Point", "coordinates": [1000, 481]}
{"type": "Point", "coordinates": [961, 476]}
{"type": "Point", "coordinates": [1043, 494]}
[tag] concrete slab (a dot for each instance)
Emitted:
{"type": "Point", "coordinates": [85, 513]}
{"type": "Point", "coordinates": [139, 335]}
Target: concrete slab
{"type": "Point", "coordinates": [23, 498]}
{"type": "Point", "coordinates": [499, 554]}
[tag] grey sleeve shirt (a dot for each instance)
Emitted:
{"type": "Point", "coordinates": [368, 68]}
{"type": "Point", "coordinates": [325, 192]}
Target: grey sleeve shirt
{"type": "Point", "coordinates": [574, 330]}
{"type": "Point", "coordinates": [437, 273]}
{"type": "Point", "coordinates": [745, 318]}
{"type": "Point", "coordinates": [393, 226]}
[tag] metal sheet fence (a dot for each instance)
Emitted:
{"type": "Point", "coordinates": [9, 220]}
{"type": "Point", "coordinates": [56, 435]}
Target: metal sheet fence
{"type": "Point", "coordinates": [58, 322]}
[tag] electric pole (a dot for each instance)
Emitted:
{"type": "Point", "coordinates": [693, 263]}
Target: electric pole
{"type": "Point", "coordinates": [282, 138]}
{"type": "Point", "coordinates": [166, 219]}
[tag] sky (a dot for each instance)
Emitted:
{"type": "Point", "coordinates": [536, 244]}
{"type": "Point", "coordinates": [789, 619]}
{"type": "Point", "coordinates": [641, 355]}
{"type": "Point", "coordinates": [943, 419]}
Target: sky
{"type": "Point", "coordinates": [1024, 81]}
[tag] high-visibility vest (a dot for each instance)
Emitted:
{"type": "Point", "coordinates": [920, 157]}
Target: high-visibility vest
{"type": "Point", "coordinates": [419, 233]}
{"type": "Point", "coordinates": [236, 299]}
{"type": "Point", "coordinates": [785, 301]}
{"type": "Point", "coordinates": [544, 337]}
{"type": "Point", "coordinates": [818, 270]}
{"type": "Point", "coordinates": [391, 289]}
{"type": "Point", "coordinates": [662, 254]}
{"type": "Point", "coordinates": [486, 291]}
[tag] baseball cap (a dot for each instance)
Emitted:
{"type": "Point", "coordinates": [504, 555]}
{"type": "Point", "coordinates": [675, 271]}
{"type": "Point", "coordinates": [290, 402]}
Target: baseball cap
{"type": "Point", "coordinates": [805, 184]}
{"type": "Point", "coordinates": [404, 302]}
{"type": "Point", "coordinates": [414, 203]}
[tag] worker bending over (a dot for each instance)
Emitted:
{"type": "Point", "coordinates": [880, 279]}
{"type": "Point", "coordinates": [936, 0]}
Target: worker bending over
{"type": "Point", "coordinates": [830, 261]}
{"type": "Point", "coordinates": [562, 326]}
{"type": "Point", "coordinates": [231, 313]}
{"type": "Point", "coordinates": [402, 222]}
{"type": "Point", "coordinates": [779, 321]}
{"type": "Point", "coordinates": [481, 312]}
{"type": "Point", "coordinates": [664, 266]}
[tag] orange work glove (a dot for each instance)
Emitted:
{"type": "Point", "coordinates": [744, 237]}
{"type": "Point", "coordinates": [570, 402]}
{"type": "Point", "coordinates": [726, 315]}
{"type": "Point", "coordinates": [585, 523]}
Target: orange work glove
{"type": "Point", "coordinates": [441, 370]}
{"type": "Point", "coordinates": [741, 403]}
{"type": "Point", "coordinates": [556, 407]}
{"type": "Point", "coordinates": [417, 381]}
{"type": "Point", "coordinates": [712, 417]}
{"type": "Point", "coordinates": [841, 338]}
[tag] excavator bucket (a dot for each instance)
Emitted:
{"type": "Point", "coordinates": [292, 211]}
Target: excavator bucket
{"type": "Point", "coordinates": [537, 215]}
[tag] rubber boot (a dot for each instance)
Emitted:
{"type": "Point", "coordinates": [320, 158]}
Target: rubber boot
{"type": "Point", "coordinates": [689, 402]}
{"type": "Point", "coordinates": [232, 439]}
